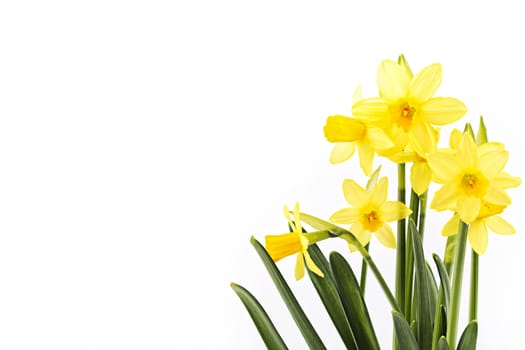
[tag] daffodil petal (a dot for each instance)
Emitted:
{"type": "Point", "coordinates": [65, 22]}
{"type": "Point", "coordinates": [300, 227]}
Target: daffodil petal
{"type": "Point", "coordinates": [451, 228]}
{"type": "Point", "coordinates": [362, 235]}
{"type": "Point", "coordinates": [311, 265]}
{"type": "Point", "coordinates": [445, 198]}
{"type": "Point", "coordinates": [478, 236]}
{"type": "Point", "coordinates": [442, 110]}
{"type": "Point", "coordinates": [299, 267]}
{"type": "Point", "coordinates": [379, 191]}
{"type": "Point", "coordinates": [366, 157]}
{"type": "Point", "coordinates": [497, 196]}
{"type": "Point", "coordinates": [455, 138]}
{"type": "Point", "coordinates": [467, 152]}
{"type": "Point", "coordinates": [378, 139]}
{"type": "Point", "coordinates": [342, 151]}
{"type": "Point", "coordinates": [468, 208]}
{"type": "Point", "coordinates": [499, 225]}
{"type": "Point", "coordinates": [404, 157]}
{"type": "Point", "coordinates": [386, 237]}
{"type": "Point", "coordinates": [373, 109]}
{"type": "Point", "coordinates": [393, 211]}
{"type": "Point", "coordinates": [445, 167]}
{"type": "Point", "coordinates": [490, 147]}
{"type": "Point", "coordinates": [492, 163]}
{"type": "Point", "coordinates": [423, 138]}
{"type": "Point", "coordinates": [297, 218]}
{"type": "Point", "coordinates": [504, 180]}
{"type": "Point", "coordinates": [420, 176]}
{"type": "Point", "coordinates": [354, 194]}
{"type": "Point", "coordinates": [345, 216]}
{"type": "Point", "coordinates": [392, 81]}
{"type": "Point", "coordinates": [425, 83]}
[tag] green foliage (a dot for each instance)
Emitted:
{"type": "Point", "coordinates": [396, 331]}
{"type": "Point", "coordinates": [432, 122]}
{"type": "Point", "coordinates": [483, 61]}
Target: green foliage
{"type": "Point", "coordinates": [264, 325]}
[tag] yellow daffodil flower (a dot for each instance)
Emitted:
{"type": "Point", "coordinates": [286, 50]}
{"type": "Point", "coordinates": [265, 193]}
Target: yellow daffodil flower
{"type": "Point", "coordinates": [477, 230]}
{"type": "Point", "coordinates": [470, 175]}
{"type": "Point", "coordinates": [370, 212]}
{"type": "Point", "coordinates": [406, 108]}
{"type": "Point", "coordinates": [350, 133]}
{"type": "Point", "coordinates": [280, 246]}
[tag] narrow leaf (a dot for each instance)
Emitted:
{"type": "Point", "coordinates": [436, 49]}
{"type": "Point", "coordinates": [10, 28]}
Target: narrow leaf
{"type": "Point", "coordinates": [327, 290]}
{"type": "Point", "coordinates": [306, 328]}
{"type": "Point", "coordinates": [423, 292]}
{"type": "Point", "coordinates": [433, 290]}
{"type": "Point", "coordinates": [469, 337]}
{"type": "Point", "coordinates": [443, 276]}
{"type": "Point", "coordinates": [271, 337]}
{"type": "Point", "coordinates": [442, 344]}
{"type": "Point", "coordinates": [353, 303]}
{"type": "Point", "coordinates": [405, 338]}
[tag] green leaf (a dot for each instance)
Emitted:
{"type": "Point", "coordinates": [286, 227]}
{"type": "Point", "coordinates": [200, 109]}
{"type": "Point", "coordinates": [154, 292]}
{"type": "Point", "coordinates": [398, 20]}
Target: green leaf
{"type": "Point", "coordinates": [442, 344]}
{"type": "Point", "coordinates": [443, 276]}
{"type": "Point", "coordinates": [423, 292]}
{"type": "Point", "coordinates": [327, 290]}
{"type": "Point", "coordinates": [264, 325]}
{"type": "Point", "coordinates": [353, 303]}
{"type": "Point", "coordinates": [482, 137]}
{"type": "Point", "coordinates": [433, 290]}
{"type": "Point", "coordinates": [469, 336]}
{"type": "Point", "coordinates": [405, 338]}
{"type": "Point", "coordinates": [306, 328]}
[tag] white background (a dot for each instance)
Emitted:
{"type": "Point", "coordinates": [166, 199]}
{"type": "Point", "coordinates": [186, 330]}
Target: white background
{"type": "Point", "coordinates": [142, 143]}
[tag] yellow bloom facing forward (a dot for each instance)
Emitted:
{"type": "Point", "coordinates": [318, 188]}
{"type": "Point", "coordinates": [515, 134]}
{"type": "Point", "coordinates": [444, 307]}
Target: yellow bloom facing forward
{"type": "Point", "coordinates": [370, 212]}
{"type": "Point", "coordinates": [469, 176]}
{"type": "Point", "coordinates": [295, 242]}
{"type": "Point", "coordinates": [477, 231]}
{"type": "Point", "coordinates": [406, 108]}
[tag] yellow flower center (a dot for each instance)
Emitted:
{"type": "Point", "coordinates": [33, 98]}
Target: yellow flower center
{"type": "Point", "coordinates": [343, 129]}
{"type": "Point", "coordinates": [403, 115]}
{"type": "Point", "coordinates": [372, 221]}
{"type": "Point", "coordinates": [474, 184]}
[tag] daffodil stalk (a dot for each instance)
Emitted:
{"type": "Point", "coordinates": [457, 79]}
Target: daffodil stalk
{"type": "Point", "coordinates": [474, 273]}
{"type": "Point", "coordinates": [457, 279]}
{"type": "Point", "coordinates": [401, 239]}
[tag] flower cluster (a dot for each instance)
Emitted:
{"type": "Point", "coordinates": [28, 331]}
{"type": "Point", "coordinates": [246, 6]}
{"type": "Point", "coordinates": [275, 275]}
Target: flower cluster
{"type": "Point", "coordinates": [402, 125]}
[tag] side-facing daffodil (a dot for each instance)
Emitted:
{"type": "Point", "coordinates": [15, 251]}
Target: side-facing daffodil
{"type": "Point", "coordinates": [420, 172]}
{"type": "Point", "coordinates": [295, 242]}
{"type": "Point", "coordinates": [370, 212]}
{"type": "Point", "coordinates": [477, 230]}
{"type": "Point", "coordinates": [406, 108]}
{"type": "Point", "coordinates": [350, 133]}
{"type": "Point", "coordinates": [470, 174]}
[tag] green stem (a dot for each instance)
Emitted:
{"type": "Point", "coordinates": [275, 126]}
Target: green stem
{"type": "Point", "coordinates": [364, 270]}
{"type": "Point", "coordinates": [422, 214]}
{"type": "Point", "coordinates": [457, 279]}
{"type": "Point", "coordinates": [401, 240]}
{"type": "Point", "coordinates": [368, 259]}
{"type": "Point", "coordinates": [409, 276]}
{"type": "Point", "coordinates": [474, 273]}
